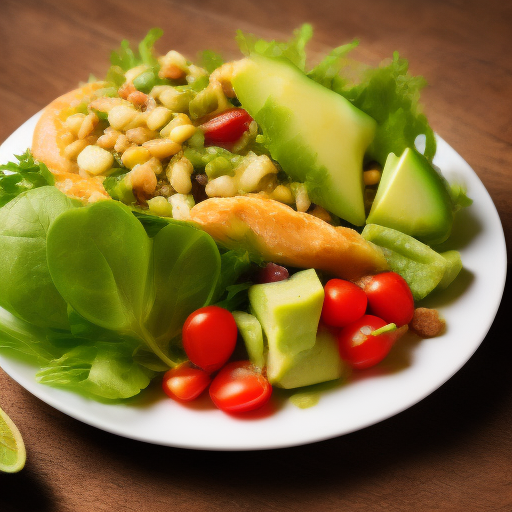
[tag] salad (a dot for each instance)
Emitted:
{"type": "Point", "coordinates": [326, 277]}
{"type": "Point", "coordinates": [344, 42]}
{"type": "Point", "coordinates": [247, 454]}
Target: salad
{"type": "Point", "coordinates": [230, 226]}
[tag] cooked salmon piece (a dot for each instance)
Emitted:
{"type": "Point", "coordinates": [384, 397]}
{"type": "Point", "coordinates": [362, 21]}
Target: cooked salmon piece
{"type": "Point", "coordinates": [282, 235]}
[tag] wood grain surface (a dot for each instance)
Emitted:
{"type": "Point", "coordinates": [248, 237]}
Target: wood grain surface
{"type": "Point", "coordinates": [450, 452]}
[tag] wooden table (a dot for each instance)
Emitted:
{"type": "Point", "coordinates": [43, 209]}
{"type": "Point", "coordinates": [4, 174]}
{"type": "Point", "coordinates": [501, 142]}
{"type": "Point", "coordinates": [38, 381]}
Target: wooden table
{"type": "Point", "coordinates": [450, 452]}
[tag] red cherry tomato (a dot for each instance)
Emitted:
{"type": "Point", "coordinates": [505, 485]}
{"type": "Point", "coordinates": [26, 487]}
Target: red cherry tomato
{"type": "Point", "coordinates": [209, 337]}
{"type": "Point", "coordinates": [240, 387]}
{"type": "Point", "coordinates": [185, 382]}
{"type": "Point", "coordinates": [227, 127]}
{"type": "Point", "coordinates": [390, 298]}
{"type": "Point", "coordinates": [360, 348]}
{"type": "Point", "coordinates": [344, 303]}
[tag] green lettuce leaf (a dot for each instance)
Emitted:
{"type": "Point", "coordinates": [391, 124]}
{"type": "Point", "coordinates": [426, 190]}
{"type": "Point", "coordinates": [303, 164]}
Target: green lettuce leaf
{"type": "Point", "coordinates": [293, 50]}
{"type": "Point", "coordinates": [104, 370]}
{"type": "Point", "coordinates": [210, 60]}
{"type": "Point", "coordinates": [391, 95]}
{"type": "Point", "coordinates": [25, 174]}
{"type": "Point", "coordinates": [327, 72]}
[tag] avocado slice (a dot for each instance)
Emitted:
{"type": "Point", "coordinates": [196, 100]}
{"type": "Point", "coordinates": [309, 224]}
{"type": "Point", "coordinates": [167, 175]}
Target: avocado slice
{"type": "Point", "coordinates": [250, 330]}
{"type": "Point", "coordinates": [423, 268]}
{"type": "Point", "coordinates": [289, 313]}
{"type": "Point", "coordinates": [413, 198]}
{"type": "Point", "coordinates": [318, 137]}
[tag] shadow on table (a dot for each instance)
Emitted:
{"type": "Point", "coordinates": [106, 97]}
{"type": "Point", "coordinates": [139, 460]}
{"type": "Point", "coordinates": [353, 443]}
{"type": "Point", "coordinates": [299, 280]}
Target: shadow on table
{"type": "Point", "coordinates": [24, 492]}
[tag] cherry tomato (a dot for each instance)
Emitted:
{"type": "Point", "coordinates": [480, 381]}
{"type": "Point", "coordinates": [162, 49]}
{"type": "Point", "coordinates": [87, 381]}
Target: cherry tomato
{"type": "Point", "coordinates": [226, 127]}
{"type": "Point", "coordinates": [209, 337]}
{"type": "Point", "coordinates": [390, 298]}
{"type": "Point", "coordinates": [185, 382]}
{"type": "Point", "coordinates": [240, 387]}
{"type": "Point", "coordinates": [360, 348]}
{"type": "Point", "coordinates": [344, 303]}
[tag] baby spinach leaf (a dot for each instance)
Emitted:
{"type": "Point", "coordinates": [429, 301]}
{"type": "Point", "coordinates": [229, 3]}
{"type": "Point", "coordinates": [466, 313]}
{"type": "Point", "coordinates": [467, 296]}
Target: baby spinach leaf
{"type": "Point", "coordinates": [27, 290]}
{"type": "Point", "coordinates": [115, 276]}
{"type": "Point", "coordinates": [186, 266]}
{"type": "Point", "coordinates": [98, 259]}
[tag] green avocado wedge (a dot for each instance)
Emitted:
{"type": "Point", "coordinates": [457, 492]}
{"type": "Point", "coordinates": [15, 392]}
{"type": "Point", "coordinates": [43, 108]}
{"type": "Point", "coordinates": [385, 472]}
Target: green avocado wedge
{"type": "Point", "coordinates": [423, 268]}
{"type": "Point", "coordinates": [413, 198]}
{"type": "Point", "coordinates": [289, 313]}
{"type": "Point", "coordinates": [318, 137]}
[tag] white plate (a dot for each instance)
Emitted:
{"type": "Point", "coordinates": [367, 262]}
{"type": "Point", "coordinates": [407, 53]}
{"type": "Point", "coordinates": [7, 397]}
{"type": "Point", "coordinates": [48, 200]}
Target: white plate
{"type": "Point", "coordinates": [413, 370]}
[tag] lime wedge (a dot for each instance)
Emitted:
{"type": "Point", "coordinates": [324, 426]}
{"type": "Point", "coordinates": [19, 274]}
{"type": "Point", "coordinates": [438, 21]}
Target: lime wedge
{"type": "Point", "coordinates": [12, 448]}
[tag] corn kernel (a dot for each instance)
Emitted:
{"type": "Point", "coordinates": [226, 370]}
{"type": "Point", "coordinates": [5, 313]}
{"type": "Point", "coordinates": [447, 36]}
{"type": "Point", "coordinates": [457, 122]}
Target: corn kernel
{"type": "Point", "coordinates": [95, 160]}
{"type": "Point", "coordinates": [178, 120]}
{"type": "Point", "coordinates": [134, 156]}
{"type": "Point", "coordinates": [120, 116]}
{"type": "Point", "coordinates": [180, 134]}
{"type": "Point", "coordinates": [72, 150]}
{"type": "Point", "coordinates": [178, 173]}
{"type": "Point", "coordinates": [282, 194]}
{"type": "Point", "coordinates": [74, 122]}
{"type": "Point", "coordinates": [158, 118]}
{"type": "Point", "coordinates": [162, 148]}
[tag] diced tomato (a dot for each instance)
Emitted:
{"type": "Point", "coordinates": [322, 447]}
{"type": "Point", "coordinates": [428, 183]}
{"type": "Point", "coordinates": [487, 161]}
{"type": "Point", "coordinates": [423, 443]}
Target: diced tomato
{"type": "Point", "coordinates": [390, 298]}
{"type": "Point", "coordinates": [362, 349]}
{"type": "Point", "coordinates": [227, 127]}
{"type": "Point", "coordinates": [240, 387]}
{"type": "Point", "coordinates": [344, 303]}
{"type": "Point", "coordinates": [185, 382]}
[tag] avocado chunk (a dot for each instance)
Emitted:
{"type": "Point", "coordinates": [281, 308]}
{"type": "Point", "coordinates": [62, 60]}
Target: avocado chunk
{"type": "Point", "coordinates": [250, 330]}
{"type": "Point", "coordinates": [413, 198]}
{"type": "Point", "coordinates": [319, 363]}
{"type": "Point", "coordinates": [318, 137]}
{"type": "Point", "coordinates": [289, 313]}
{"type": "Point", "coordinates": [423, 268]}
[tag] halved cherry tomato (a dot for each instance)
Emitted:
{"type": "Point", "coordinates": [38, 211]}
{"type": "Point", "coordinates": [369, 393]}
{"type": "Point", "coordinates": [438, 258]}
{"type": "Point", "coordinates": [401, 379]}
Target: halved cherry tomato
{"type": "Point", "coordinates": [209, 337]}
{"type": "Point", "coordinates": [390, 298]}
{"type": "Point", "coordinates": [344, 303]}
{"type": "Point", "coordinates": [240, 387]}
{"type": "Point", "coordinates": [185, 382]}
{"type": "Point", "coordinates": [227, 127]}
{"type": "Point", "coordinates": [360, 348]}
